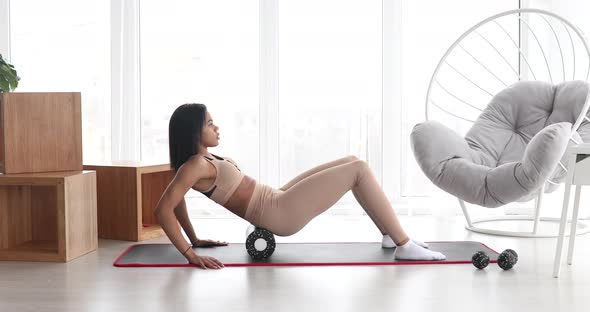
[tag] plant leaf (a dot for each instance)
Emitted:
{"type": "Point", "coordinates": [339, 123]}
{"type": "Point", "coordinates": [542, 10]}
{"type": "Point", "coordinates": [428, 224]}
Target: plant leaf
{"type": "Point", "coordinates": [13, 84]}
{"type": "Point", "coordinates": [10, 76]}
{"type": "Point", "coordinates": [4, 85]}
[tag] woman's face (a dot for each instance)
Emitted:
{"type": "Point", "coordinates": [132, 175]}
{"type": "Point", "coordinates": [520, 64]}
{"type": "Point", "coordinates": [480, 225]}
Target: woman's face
{"type": "Point", "coordinates": [209, 134]}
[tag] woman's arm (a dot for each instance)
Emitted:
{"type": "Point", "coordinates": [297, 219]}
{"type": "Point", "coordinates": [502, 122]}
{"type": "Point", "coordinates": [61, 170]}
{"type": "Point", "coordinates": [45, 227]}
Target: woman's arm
{"type": "Point", "coordinates": [189, 174]}
{"type": "Point", "coordinates": [184, 179]}
{"type": "Point", "coordinates": [181, 214]}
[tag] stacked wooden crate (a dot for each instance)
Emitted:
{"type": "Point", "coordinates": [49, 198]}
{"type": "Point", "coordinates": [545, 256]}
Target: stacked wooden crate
{"type": "Point", "coordinates": [47, 202]}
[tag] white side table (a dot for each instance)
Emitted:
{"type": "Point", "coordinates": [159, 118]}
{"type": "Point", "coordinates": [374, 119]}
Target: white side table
{"type": "Point", "coordinates": [578, 174]}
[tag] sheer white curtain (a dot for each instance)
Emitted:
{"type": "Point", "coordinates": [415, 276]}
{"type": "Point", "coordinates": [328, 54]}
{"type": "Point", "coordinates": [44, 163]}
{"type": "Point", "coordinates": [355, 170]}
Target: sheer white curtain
{"type": "Point", "coordinates": [574, 10]}
{"type": "Point", "coordinates": [125, 80]}
{"type": "Point", "coordinates": [330, 78]}
{"type": "Point", "coordinates": [201, 52]}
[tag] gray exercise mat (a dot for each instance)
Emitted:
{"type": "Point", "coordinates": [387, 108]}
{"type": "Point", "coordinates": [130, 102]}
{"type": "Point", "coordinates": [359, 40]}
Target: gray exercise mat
{"type": "Point", "coordinates": [293, 254]}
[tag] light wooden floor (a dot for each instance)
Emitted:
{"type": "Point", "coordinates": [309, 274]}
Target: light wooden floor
{"type": "Point", "coordinates": [91, 283]}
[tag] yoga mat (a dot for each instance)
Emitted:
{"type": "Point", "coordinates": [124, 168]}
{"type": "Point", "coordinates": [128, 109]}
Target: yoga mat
{"type": "Point", "coordinates": [298, 254]}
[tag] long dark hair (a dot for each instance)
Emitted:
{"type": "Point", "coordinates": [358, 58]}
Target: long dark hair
{"type": "Point", "coordinates": [184, 133]}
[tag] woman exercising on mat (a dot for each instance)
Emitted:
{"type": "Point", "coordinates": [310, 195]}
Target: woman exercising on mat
{"type": "Point", "coordinates": [282, 211]}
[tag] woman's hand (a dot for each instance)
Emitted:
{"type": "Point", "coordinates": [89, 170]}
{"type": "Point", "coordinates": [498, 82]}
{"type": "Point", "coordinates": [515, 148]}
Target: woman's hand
{"type": "Point", "coordinates": [208, 243]}
{"type": "Point", "coordinates": [205, 262]}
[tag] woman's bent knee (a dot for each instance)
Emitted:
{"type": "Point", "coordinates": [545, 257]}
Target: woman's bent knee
{"type": "Point", "coordinates": [351, 158]}
{"type": "Point", "coordinates": [360, 163]}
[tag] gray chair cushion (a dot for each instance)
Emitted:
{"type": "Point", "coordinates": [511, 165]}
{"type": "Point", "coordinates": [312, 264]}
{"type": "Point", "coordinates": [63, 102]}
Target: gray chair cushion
{"type": "Point", "coordinates": [512, 148]}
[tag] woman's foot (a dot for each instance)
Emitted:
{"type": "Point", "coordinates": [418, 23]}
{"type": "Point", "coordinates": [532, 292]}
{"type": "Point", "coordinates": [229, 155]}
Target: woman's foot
{"type": "Point", "coordinates": [411, 251]}
{"type": "Point", "coordinates": [387, 242]}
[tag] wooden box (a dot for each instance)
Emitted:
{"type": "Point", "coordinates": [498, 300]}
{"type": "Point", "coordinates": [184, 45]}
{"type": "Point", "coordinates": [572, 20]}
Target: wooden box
{"type": "Point", "coordinates": [127, 195]}
{"type": "Point", "coordinates": [40, 132]}
{"type": "Point", "coordinates": [47, 216]}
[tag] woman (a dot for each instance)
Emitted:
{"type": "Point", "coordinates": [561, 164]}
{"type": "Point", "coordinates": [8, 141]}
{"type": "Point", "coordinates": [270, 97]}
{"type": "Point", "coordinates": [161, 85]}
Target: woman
{"type": "Point", "coordinates": [284, 211]}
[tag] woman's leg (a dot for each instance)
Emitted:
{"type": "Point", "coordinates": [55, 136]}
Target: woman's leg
{"type": "Point", "coordinates": [319, 168]}
{"type": "Point", "coordinates": [319, 191]}
{"type": "Point", "coordinates": [316, 193]}
{"type": "Point", "coordinates": [387, 241]}
{"type": "Point", "coordinates": [328, 165]}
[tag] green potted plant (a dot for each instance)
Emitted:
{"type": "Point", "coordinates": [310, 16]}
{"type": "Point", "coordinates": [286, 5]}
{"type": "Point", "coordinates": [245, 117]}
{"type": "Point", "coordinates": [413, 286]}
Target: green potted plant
{"type": "Point", "coordinates": [8, 77]}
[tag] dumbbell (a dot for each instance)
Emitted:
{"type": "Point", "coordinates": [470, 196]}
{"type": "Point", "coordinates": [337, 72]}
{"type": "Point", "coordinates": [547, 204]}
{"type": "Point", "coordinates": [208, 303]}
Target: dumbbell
{"type": "Point", "coordinates": [480, 260]}
{"type": "Point", "coordinates": [260, 243]}
{"type": "Point", "coordinates": [506, 260]}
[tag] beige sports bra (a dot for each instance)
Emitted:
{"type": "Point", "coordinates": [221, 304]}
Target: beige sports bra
{"type": "Point", "coordinates": [227, 180]}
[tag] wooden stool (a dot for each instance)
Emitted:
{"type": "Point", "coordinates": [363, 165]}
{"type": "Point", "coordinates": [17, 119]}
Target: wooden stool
{"type": "Point", "coordinates": [47, 216]}
{"type": "Point", "coordinates": [40, 132]}
{"type": "Point", "coordinates": [127, 195]}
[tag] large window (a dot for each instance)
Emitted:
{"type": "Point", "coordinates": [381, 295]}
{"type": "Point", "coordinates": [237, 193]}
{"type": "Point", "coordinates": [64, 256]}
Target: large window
{"type": "Point", "coordinates": [327, 68]}
{"type": "Point", "coordinates": [64, 45]}
{"type": "Point", "coordinates": [201, 52]}
{"type": "Point", "coordinates": [330, 71]}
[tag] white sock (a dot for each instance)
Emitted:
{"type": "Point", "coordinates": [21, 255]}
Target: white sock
{"type": "Point", "coordinates": [251, 228]}
{"type": "Point", "coordinates": [411, 251]}
{"type": "Point", "coordinates": [387, 242]}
